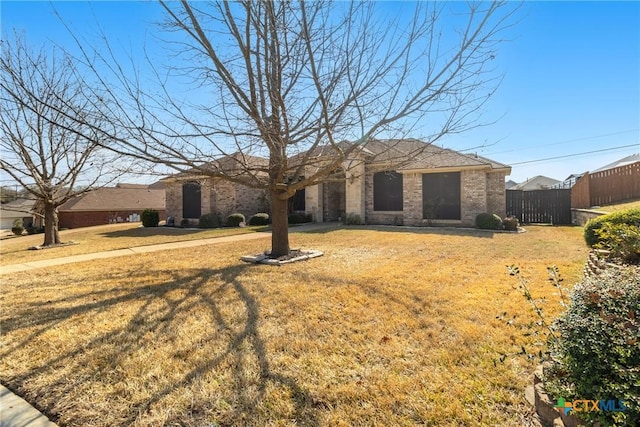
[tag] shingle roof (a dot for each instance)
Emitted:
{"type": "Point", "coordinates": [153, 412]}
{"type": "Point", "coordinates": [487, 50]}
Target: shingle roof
{"type": "Point", "coordinates": [116, 199]}
{"type": "Point", "coordinates": [237, 162]}
{"type": "Point", "coordinates": [538, 182]}
{"type": "Point", "coordinates": [427, 156]}
{"type": "Point", "coordinates": [622, 162]}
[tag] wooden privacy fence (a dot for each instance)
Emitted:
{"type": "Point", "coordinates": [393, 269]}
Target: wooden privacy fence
{"type": "Point", "coordinates": [540, 206]}
{"type": "Point", "coordinates": [607, 187]}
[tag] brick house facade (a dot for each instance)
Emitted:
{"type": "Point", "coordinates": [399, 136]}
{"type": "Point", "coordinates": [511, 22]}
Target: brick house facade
{"type": "Point", "coordinates": [436, 187]}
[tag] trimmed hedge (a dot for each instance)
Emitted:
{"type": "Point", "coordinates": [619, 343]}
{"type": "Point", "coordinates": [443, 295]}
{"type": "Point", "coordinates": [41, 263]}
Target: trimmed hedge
{"type": "Point", "coordinates": [150, 218]}
{"type": "Point", "coordinates": [511, 223]}
{"type": "Point", "coordinates": [593, 227]}
{"type": "Point", "coordinates": [17, 227]}
{"type": "Point", "coordinates": [235, 219]}
{"type": "Point", "coordinates": [299, 218]}
{"type": "Point", "coordinates": [259, 219]}
{"type": "Point", "coordinates": [489, 221]}
{"type": "Point", "coordinates": [209, 220]}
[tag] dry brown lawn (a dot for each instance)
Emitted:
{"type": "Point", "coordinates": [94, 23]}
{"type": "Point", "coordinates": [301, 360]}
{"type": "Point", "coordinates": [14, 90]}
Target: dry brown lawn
{"type": "Point", "coordinates": [104, 238]}
{"type": "Point", "coordinates": [390, 327]}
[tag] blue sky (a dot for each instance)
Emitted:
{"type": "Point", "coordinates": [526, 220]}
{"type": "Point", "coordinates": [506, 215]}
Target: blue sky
{"type": "Point", "coordinates": [571, 85]}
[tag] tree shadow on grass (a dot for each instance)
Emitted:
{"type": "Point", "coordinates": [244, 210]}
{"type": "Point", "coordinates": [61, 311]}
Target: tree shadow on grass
{"type": "Point", "coordinates": [160, 308]}
{"type": "Point", "coordinates": [448, 231]}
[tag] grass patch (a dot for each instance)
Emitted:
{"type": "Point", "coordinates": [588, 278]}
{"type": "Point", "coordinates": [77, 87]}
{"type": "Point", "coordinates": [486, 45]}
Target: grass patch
{"type": "Point", "coordinates": [621, 206]}
{"type": "Point", "coordinates": [388, 328]}
{"type": "Point", "coordinates": [106, 238]}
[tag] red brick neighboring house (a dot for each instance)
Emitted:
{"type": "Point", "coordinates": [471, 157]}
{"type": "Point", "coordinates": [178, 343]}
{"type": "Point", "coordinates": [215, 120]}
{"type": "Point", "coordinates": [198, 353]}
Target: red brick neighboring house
{"type": "Point", "coordinates": [108, 205]}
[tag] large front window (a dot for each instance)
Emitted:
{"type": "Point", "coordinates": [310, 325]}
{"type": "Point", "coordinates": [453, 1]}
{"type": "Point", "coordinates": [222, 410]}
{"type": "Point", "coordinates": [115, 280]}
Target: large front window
{"type": "Point", "coordinates": [387, 191]}
{"type": "Point", "coordinates": [191, 200]}
{"type": "Point", "coordinates": [441, 195]}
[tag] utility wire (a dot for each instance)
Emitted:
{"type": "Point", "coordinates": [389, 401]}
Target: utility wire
{"type": "Point", "coordinates": [573, 155]}
{"type": "Point", "coordinates": [585, 138]}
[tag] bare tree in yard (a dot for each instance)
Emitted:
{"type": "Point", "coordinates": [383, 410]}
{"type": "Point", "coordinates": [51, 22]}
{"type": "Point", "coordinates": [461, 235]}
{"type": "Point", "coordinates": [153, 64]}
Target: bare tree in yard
{"type": "Point", "coordinates": [292, 81]}
{"type": "Point", "coordinates": [41, 101]}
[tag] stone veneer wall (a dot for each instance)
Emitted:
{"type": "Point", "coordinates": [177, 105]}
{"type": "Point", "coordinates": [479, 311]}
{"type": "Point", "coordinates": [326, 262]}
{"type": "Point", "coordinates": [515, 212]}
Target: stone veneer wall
{"type": "Point", "coordinates": [173, 200]}
{"type": "Point", "coordinates": [480, 192]}
{"type": "Point", "coordinates": [473, 195]}
{"type": "Point", "coordinates": [496, 194]}
{"type": "Point", "coordinates": [219, 196]}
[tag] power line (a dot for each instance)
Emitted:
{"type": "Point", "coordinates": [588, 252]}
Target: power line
{"type": "Point", "coordinates": [575, 154]}
{"type": "Point", "coordinates": [585, 138]}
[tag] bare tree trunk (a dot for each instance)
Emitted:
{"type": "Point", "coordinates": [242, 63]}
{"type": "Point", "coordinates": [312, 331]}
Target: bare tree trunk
{"type": "Point", "coordinates": [51, 235]}
{"type": "Point", "coordinates": [279, 225]}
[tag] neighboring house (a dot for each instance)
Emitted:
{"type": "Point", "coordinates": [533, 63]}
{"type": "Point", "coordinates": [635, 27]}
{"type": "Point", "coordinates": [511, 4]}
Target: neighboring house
{"type": "Point", "coordinates": [107, 205]}
{"type": "Point", "coordinates": [437, 187]}
{"type": "Point", "coordinates": [536, 183]}
{"type": "Point", "coordinates": [629, 160]}
{"type": "Point", "coordinates": [20, 208]}
{"type": "Point", "coordinates": [510, 184]}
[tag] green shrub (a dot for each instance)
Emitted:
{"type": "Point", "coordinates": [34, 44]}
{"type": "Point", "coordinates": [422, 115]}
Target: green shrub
{"type": "Point", "coordinates": [629, 217]}
{"type": "Point", "coordinates": [150, 218]}
{"type": "Point", "coordinates": [209, 220]}
{"type": "Point", "coordinates": [299, 218]}
{"type": "Point", "coordinates": [259, 219]}
{"type": "Point", "coordinates": [489, 221]}
{"type": "Point", "coordinates": [352, 219]}
{"type": "Point", "coordinates": [17, 227]}
{"type": "Point", "coordinates": [621, 240]}
{"type": "Point", "coordinates": [597, 352]}
{"type": "Point", "coordinates": [235, 219]}
{"type": "Point", "coordinates": [511, 223]}
{"type": "Point", "coordinates": [35, 230]}
{"type": "Point", "coordinates": [185, 223]}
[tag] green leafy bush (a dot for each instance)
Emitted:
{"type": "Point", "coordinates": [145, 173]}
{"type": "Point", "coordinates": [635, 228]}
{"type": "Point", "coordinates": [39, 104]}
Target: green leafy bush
{"type": "Point", "coordinates": [235, 219]}
{"type": "Point", "coordinates": [353, 219]}
{"type": "Point", "coordinates": [185, 223]}
{"type": "Point", "coordinates": [489, 221]}
{"type": "Point", "coordinates": [259, 219]}
{"type": "Point", "coordinates": [591, 228]}
{"type": "Point", "coordinates": [150, 218]}
{"type": "Point", "coordinates": [209, 220]}
{"type": "Point", "coordinates": [621, 240]}
{"type": "Point", "coordinates": [17, 227]}
{"type": "Point", "coordinates": [299, 218]}
{"type": "Point", "coordinates": [511, 223]}
{"type": "Point", "coordinates": [35, 230]}
{"type": "Point", "coordinates": [597, 352]}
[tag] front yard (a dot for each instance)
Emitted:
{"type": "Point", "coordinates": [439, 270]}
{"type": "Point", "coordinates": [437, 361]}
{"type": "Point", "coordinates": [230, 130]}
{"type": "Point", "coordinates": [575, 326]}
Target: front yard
{"type": "Point", "coordinates": [390, 327]}
{"type": "Point", "coordinates": [105, 238]}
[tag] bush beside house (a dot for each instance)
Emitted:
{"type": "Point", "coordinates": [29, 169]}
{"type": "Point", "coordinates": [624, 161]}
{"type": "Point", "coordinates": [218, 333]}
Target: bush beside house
{"type": "Point", "coordinates": [597, 352]}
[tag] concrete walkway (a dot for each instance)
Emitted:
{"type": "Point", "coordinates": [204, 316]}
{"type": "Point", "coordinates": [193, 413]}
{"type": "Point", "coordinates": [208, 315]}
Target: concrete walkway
{"type": "Point", "coordinates": [15, 411]}
{"type": "Point", "coordinates": [15, 268]}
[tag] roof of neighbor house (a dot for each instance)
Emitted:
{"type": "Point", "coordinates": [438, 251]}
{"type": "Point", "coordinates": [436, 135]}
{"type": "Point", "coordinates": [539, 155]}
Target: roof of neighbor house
{"type": "Point", "coordinates": [510, 184]}
{"type": "Point", "coordinates": [536, 183]}
{"type": "Point", "coordinates": [237, 162]}
{"type": "Point", "coordinates": [17, 208]}
{"type": "Point", "coordinates": [622, 162]}
{"type": "Point", "coordinates": [159, 185]}
{"type": "Point", "coordinates": [116, 199]}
